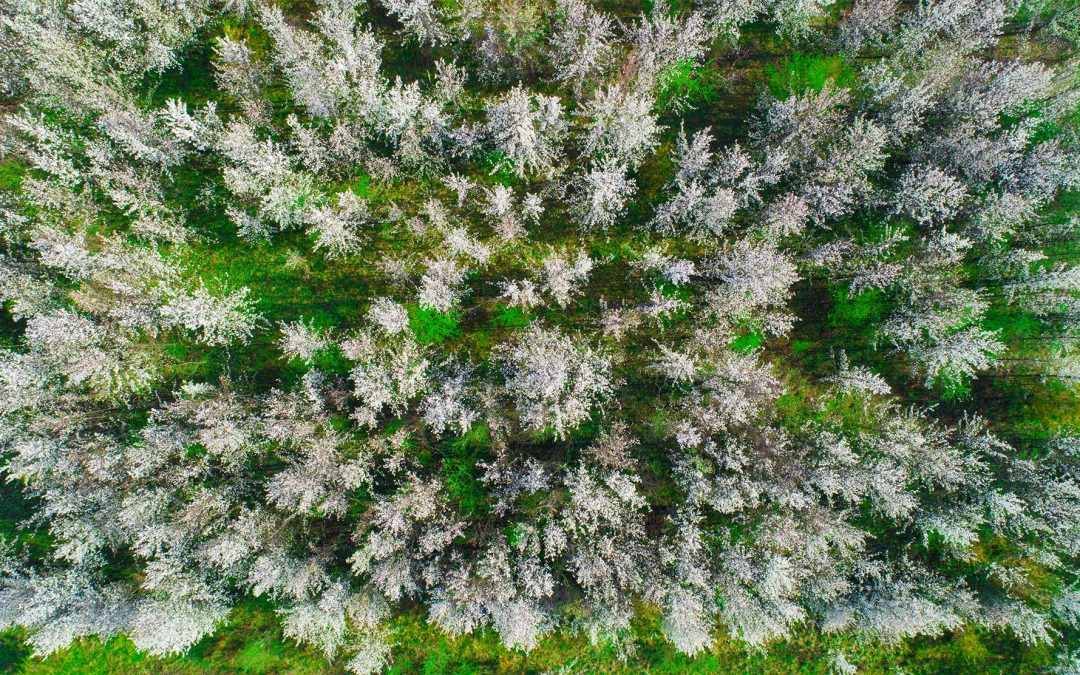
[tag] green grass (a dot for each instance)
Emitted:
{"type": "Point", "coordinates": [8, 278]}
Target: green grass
{"type": "Point", "coordinates": [11, 174]}
{"type": "Point", "coordinates": [800, 73]}
{"type": "Point", "coordinates": [432, 326]}
{"type": "Point", "coordinates": [461, 474]}
{"type": "Point", "coordinates": [800, 346]}
{"type": "Point", "coordinates": [512, 317]}
{"type": "Point", "coordinates": [252, 642]}
{"type": "Point", "coordinates": [747, 343]}
{"type": "Point", "coordinates": [859, 310]}
{"type": "Point", "coordinates": [953, 386]}
{"type": "Point", "coordinates": [686, 85]}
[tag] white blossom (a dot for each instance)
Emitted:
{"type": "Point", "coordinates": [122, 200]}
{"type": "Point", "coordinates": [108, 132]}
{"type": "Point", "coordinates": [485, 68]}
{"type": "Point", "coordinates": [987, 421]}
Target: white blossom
{"type": "Point", "coordinates": [338, 230]}
{"type": "Point", "coordinates": [929, 195]}
{"type": "Point", "coordinates": [301, 340]}
{"type": "Point", "coordinates": [581, 43]}
{"type": "Point", "coordinates": [389, 316]}
{"type": "Point", "coordinates": [563, 277]}
{"type": "Point", "coordinates": [440, 286]}
{"type": "Point", "coordinates": [621, 126]}
{"type": "Point", "coordinates": [527, 128]}
{"type": "Point", "coordinates": [218, 320]}
{"type": "Point", "coordinates": [554, 382]}
{"type": "Point", "coordinates": [602, 195]}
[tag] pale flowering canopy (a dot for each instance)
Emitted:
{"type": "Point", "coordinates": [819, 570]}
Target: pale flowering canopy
{"type": "Point", "coordinates": [585, 329]}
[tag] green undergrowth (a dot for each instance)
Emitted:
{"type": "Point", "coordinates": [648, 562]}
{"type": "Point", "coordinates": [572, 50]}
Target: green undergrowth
{"type": "Point", "coordinates": [432, 326]}
{"type": "Point", "coordinates": [801, 72]}
{"type": "Point", "coordinates": [252, 642]}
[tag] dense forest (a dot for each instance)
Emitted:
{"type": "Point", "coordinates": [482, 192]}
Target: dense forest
{"type": "Point", "coordinates": [545, 336]}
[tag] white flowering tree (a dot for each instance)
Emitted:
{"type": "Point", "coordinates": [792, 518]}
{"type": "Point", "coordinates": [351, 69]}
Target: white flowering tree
{"type": "Point", "coordinates": [554, 382]}
{"type": "Point", "coordinates": [551, 320]}
{"type": "Point", "coordinates": [527, 128]}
